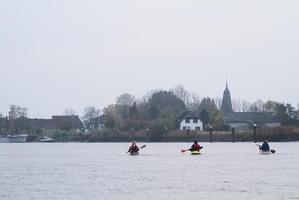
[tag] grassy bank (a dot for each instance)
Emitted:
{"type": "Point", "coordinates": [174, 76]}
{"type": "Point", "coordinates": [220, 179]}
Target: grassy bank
{"type": "Point", "coordinates": [278, 134]}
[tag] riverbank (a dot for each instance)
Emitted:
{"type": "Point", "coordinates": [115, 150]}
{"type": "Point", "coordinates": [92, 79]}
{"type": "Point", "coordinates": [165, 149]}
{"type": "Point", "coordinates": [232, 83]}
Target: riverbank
{"type": "Point", "coordinates": [277, 134]}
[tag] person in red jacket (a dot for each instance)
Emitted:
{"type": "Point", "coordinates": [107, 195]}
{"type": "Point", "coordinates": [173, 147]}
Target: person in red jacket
{"type": "Point", "coordinates": [195, 146]}
{"type": "Point", "coordinates": [133, 148]}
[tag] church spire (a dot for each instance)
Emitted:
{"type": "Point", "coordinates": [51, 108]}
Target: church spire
{"type": "Point", "coordinates": [226, 106]}
{"type": "Point", "coordinates": [226, 85]}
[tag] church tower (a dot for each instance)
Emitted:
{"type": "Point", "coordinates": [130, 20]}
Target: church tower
{"type": "Point", "coordinates": [226, 106]}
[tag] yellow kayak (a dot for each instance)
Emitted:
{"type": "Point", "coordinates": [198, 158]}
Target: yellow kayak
{"type": "Point", "coordinates": [195, 153]}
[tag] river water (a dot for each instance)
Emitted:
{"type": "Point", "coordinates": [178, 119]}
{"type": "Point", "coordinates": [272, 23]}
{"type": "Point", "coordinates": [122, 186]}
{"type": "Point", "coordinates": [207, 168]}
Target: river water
{"type": "Point", "coordinates": [104, 171]}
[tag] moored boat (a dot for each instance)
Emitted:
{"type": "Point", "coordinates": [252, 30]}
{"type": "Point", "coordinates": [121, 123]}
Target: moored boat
{"type": "Point", "coordinates": [47, 139]}
{"type": "Point", "coordinates": [4, 139]}
{"type": "Point", "coordinates": [17, 138]}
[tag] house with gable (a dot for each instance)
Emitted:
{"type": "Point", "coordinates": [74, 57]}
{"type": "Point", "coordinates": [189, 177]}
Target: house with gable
{"type": "Point", "coordinates": [189, 121]}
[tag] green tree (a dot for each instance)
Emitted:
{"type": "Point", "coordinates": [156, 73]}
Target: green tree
{"type": "Point", "coordinates": [281, 113]}
{"type": "Point", "coordinates": [269, 106]}
{"type": "Point", "coordinates": [164, 104]}
{"type": "Point", "coordinates": [218, 121]}
{"type": "Point", "coordinates": [208, 104]}
{"type": "Point", "coordinates": [286, 114]}
{"type": "Point", "coordinates": [204, 116]}
{"type": "Point", "coordinates": [133, 111]}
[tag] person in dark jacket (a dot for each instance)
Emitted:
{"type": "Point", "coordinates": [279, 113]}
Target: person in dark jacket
{"type": "Point", "coordinates": [265, 146]}
{"type": "Point", "coordinates": [195, 146]}
{"type": "Point", "coordinates": [133, 148]}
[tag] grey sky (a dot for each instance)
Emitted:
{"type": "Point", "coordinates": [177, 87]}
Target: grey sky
{"type": "Point", "coordinates": [59, 54]}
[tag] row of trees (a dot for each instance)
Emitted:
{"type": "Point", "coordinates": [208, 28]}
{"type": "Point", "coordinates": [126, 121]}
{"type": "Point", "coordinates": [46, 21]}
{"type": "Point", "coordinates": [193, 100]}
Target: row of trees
{"type": "Point", "coordinates": [16, 120]}
{"type": "Point", "coordinates": [162, 108]}
{"type": "Point", "coordinates": [159, 108]}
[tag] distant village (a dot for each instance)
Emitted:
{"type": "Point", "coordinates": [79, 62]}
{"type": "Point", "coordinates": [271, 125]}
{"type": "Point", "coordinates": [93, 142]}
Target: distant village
{"type": "Point", "coordinates": [174, 115]}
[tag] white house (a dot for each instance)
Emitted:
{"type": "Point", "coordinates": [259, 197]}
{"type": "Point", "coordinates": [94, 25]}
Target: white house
{"type": "Point", "coordinates": [190, 121]}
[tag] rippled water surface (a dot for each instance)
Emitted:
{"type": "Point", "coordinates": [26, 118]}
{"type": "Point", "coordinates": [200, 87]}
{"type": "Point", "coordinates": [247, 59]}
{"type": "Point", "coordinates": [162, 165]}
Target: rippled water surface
{"type": "Point", "coordinates": [103, 171]}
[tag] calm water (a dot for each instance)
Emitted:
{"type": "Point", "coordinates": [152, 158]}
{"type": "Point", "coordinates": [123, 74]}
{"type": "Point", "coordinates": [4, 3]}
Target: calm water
{"type": "Point", "coordinates": [104, 171]}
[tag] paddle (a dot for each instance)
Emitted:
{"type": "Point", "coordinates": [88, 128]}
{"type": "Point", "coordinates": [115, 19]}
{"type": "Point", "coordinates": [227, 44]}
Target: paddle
{"type": "Point", "coordinates": [142, 147]}
{"type": "Point", "coordinates": [184, 150]}
{"type": "Point", "coordinates": [271, 150]}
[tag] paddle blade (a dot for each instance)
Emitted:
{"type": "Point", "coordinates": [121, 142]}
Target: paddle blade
{"type": "Point", "coordinates": [272, 151]}
{"type": "Point", "coordinates": [143, 146]}
{"type": "Point", "coordinates": [184, 150]}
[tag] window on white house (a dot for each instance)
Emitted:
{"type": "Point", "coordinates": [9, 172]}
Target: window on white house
{"type": "Point", "coordinates": [197, 128]}
{"type": "Point", "coordinates": [195, 121]}
{"type": "Point", "coordinates": [187, 121]}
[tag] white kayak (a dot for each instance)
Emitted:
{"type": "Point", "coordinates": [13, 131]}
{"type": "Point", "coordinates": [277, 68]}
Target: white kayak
{"type": "Point", "coordinates": [265, 152]}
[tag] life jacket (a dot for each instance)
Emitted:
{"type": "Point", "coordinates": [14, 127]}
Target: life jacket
{"type": "Point", "coordinates": [265, 147]}
{"type": "Point", "coordinates": [195, 147]}
{"type": "Point", "coordinates": [134, 148]}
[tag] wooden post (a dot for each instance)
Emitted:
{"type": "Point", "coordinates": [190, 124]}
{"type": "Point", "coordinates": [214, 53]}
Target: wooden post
{"type": "Point", "coordinates": [233, 133]}
{"type": "Point", "coordinates": [211, 133]}
{"type": "Point", "coordinates": [254, 132]}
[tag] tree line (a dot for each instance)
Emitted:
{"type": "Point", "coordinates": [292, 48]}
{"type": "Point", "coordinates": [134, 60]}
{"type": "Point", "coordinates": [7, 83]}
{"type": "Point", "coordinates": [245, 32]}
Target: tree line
{"type": "Point", "coordinates": [158, 110]}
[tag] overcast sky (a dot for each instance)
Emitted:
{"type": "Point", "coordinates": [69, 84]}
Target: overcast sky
{"type": "Point", "coordinates": [60, 54]}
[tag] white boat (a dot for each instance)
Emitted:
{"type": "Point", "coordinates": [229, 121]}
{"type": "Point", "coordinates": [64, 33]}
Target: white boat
{"type": "Point", "coordinates": [17, 138]}
{"type": "Point", "coordinates": [47, 139]}
{"type": "Point", "coordinates": [4, 139]}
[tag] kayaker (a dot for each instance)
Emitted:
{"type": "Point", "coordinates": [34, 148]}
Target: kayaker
{"type": "Point", "coordinates": [195, 146]}
{"type": "Point", "coordinates": [265, 146]}
{"type": "Point", "coordinates": [133, 148]}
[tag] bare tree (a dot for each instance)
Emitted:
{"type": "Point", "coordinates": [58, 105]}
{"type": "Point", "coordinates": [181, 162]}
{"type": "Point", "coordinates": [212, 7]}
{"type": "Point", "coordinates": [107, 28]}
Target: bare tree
{"type": "Point", "coordinates": [109, 109]}
{"type": "Point", "coordinates": [245, 106]}
{"type": "Point", "coordinates": [237, 105]}
{"type": "Point", "coordinates": [123, 104]}
{"type": "Point", "coordinates": [125, 99]}
{"type": "Point", "coordinates": [17, 118]}
{"type": "Point", "coordinates": [90, 112]}
{"type": "Point", "coordinates": [69, 112]}
{"type": "Point", "coordinates": [218, 102]}
{"type": "Point", "coordinates": [16, 112]}
{"type": "Point", "coordinates": [257, 106]}
{"type": "Point", "coordinates": [181, 93]}
{"type": "Point", "coordinates": [260, 104]}
{"type": "Point", "coordinates": [194, 103]}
